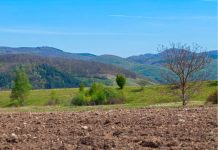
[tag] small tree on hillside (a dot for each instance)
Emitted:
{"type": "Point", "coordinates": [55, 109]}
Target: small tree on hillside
{"type": "Point", "coordinates": [185, 64]}
{"type": "Point", "coordinates": [20, 86]}
{"type": "Point", "coordinates": [121, 80]}
{"type": "Point", "coordinates": [81, 87]}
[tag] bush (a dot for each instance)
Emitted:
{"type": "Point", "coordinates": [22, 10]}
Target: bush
{"type": "Point", "coordinates": [99, 98]}
{"type": "Point", "coordinates": [114, 96]}
{"type": "Point", "coordinates": [79, 99]}
{"type": "Point", "coordinates": [95, 87]}
{"type": "Point", "coordinates": [212, 99]}
{"type": "Point", "coordinates": [98, 95]}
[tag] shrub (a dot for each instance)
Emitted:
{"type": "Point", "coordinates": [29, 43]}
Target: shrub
{"type": "Point", "coordinates": [114, 96]}
{"type": "Point", "coordinates": [95, 87]}
{"type": "Point", "coordinates": [98, 98]}
{"type": "Point", "coordinates": [109, 92]}
{"type": "Point", "coordinates": [121, 80]}
{"type": "Point", "coordinates": [79, 99]}
{"type": "Point", "coordinates": [212, 98]}
{"type": "Point", "coordinates": [98, 95]}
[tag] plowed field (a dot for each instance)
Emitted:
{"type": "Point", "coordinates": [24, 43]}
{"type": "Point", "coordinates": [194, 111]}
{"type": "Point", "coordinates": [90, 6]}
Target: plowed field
{"type": "Point", "coordinates": [160, 128]}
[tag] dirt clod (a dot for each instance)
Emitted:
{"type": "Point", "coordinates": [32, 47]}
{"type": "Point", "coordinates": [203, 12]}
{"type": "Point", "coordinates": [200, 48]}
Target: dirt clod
{"type": "Point", "coordinates": [117, 133]}
{"type": "Point", "coordinates": [150, 144]}
{"type": "Point", "coordinates": [87, 141]}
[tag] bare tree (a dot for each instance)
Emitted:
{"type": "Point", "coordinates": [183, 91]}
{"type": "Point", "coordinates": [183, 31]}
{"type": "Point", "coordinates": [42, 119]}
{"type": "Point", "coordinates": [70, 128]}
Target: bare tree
{"type": "Point", "coordinates": [185, 64]}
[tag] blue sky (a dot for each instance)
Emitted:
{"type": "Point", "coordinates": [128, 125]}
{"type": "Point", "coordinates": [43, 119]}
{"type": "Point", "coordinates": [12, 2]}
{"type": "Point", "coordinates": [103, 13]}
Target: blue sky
{"type": "Point", "coordinates": [119, 27]}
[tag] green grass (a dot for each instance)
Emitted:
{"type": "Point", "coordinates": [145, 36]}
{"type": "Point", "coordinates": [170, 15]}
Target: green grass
{"type": "Point", "coordinates": [93, 108]}
{"type": "Point", "coordinates": [151, 96]}
{"type": "Point", "coordinates": [156, 94]}
{"type": "Point", "coordinates": [40, 97]}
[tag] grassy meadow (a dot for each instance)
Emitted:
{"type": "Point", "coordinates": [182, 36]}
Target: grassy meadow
{"type": "Point", "coordinates": [153, 95]}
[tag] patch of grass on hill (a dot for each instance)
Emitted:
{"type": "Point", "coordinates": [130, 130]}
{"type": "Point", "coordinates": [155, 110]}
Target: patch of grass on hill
{"type": "Point", "coordinates": [134, 96]}
{"type": "Point", "coordinates": [156, 94]}
{"type": "Point", "coordinates": [40, 97]}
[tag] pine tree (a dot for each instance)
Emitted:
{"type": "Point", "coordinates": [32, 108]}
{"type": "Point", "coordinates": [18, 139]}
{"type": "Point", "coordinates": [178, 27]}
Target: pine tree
{"type": "Point", "coordinates": [20, 86]}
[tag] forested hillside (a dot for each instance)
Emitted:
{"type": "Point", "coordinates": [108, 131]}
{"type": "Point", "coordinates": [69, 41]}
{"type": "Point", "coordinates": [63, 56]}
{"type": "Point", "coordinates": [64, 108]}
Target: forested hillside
{"type": "Point", "coordinates": [52, 72]}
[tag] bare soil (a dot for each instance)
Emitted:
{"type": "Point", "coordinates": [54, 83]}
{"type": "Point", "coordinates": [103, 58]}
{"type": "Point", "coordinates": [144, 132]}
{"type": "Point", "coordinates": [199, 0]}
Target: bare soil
{"type": "Point", "coordinates": [152, 128]}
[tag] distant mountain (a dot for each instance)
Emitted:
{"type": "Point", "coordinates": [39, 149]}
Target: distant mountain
{"type": "Point", "coordinates": [45, 52]}
{"type": "Point", "coordinates": [145, 58]}
{"type": "Point", "coordinates": [50, 72]}
{"type": "Point", "coordinates": [146, 65]}
{"type": "Point", "coordinates": [213, 54]}
{"type": "Point", "coordinates": [155, 59]}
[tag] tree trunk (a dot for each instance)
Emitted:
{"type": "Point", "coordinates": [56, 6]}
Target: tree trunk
{"type": "Point", "coordinates": [184, 102]}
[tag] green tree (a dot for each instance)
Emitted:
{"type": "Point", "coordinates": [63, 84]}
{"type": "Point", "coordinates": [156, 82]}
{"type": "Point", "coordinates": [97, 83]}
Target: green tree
{"type": "Point", "coordinates": [121, 80]}
{"type": "Point", "coordinates": [20, 86]}
{"type": "Point", "coordinates": [81, 87]}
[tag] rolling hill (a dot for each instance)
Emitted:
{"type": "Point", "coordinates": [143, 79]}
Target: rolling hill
{"type": "Point", "coordinates": [45, 51]}
{"type": "Point", "coordinates": [155, 60]}
{"type": "Point", "coordinates": [146, 65]}
{"type": "Point", "coordinates": [149, 71]}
